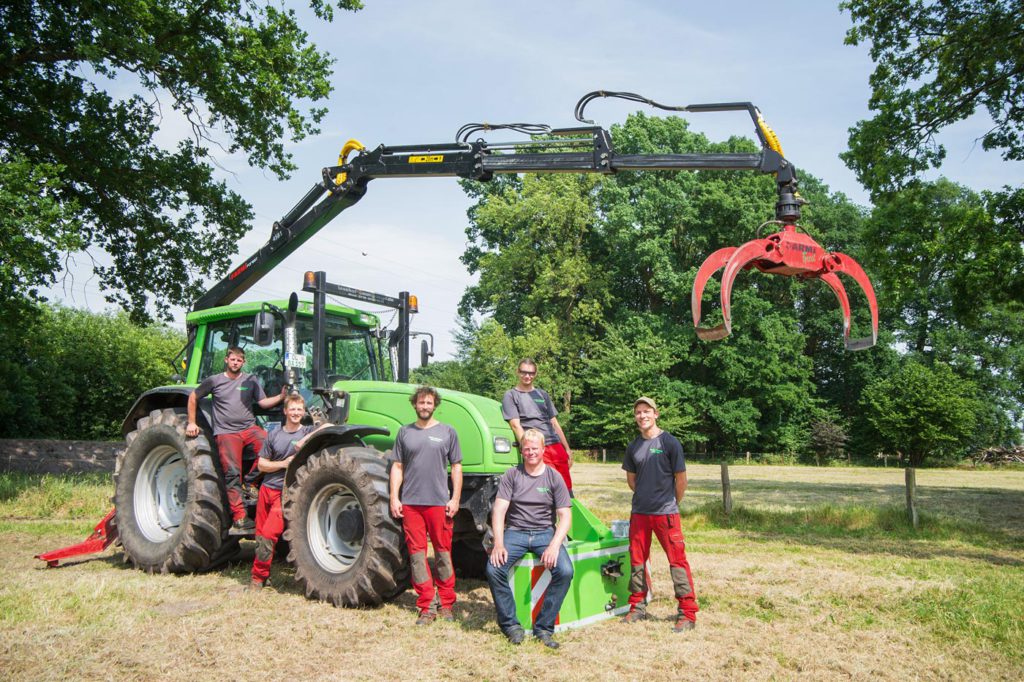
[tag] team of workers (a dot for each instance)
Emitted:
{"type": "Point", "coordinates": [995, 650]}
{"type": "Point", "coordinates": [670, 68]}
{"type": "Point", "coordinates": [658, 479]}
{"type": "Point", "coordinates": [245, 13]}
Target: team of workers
{"type": "Point", "coordinates": [532, 508]}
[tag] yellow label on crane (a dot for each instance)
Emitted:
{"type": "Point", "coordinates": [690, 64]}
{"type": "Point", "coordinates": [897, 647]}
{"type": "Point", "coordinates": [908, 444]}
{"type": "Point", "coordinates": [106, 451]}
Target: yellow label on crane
{"type": "Point", "coordinates": [427, 158]}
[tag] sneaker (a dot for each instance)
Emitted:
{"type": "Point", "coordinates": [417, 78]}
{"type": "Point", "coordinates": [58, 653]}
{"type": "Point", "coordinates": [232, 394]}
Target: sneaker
{"type": "Point", "coordinates": [634, 616]}
{"type": "Point", "coordinates": [426, 617]}
{"type": "Point", "coordinates": [446, 615]}
{"type": "Point", "coordinates": [545, 639]}
{"type": "Point", "coordinates": [255, 585]}
{"type": "Point", "coordinates": [516, 636]}
{"type": "Point", "coordinates": [242, 527]}
{"type": "Point", "coordinates": [683, 624]}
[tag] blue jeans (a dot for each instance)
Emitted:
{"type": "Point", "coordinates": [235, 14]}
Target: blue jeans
{"type": "Point", "coordinates": [518, 542]}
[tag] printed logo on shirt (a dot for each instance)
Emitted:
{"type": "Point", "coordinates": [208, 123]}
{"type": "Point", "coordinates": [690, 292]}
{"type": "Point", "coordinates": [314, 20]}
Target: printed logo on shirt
{"type": "Point", "coordinates": [543, 489]}
{"type": "Point", "coordinates": [435, 439]}
{"type": "Point", "coordinates": [243, 388]}
{"type": "Point", "coordinates": [656, 451]}
{"type": "Point", "coordinates": [539, 401]}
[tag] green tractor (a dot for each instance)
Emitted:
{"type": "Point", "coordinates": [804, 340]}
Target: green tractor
{"type": "Point", "coordinates": [347, 549]}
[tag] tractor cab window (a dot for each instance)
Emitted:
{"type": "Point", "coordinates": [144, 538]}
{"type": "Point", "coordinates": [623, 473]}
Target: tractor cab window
{"type": "Point", "coordinates": [349, 350]}
{"type": "Point", "coordinates": [263, 362]}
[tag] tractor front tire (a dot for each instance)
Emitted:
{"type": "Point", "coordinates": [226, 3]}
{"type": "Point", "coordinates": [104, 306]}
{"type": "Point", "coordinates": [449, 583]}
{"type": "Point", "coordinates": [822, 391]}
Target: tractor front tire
{"type": "Point", "coordinates": [344, 544]}
{"type": "Point", "coordinates": [171, 511]}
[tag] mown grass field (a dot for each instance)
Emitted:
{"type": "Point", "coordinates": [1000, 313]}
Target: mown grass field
{"type": "Point", "coordinates": [815, 576]}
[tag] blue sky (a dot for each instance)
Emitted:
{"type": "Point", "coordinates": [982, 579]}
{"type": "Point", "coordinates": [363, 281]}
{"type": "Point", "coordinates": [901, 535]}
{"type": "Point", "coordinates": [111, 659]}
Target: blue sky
{"type": "Point", "coordinates": [414, 72]}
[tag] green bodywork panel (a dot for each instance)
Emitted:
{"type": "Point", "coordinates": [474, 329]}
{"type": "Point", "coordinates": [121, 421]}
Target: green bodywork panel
{"type": "Point", "coordinates": [594, 594]}
{"type": "Point", "coordinates": [477, 420]}
{"type": "Point", "coordinates": [248, 310]}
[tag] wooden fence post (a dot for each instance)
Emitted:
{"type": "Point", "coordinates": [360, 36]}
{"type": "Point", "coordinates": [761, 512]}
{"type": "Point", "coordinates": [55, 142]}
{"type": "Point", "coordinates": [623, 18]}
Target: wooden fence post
{"type": "Point", "coordinates": [911, 494]}
{"type": "Point", "coordinates": [726, 489]}
{"type": "Point", "coordinates": [604, 455]}
{"type": "Point", "coordinates": [748, 456]}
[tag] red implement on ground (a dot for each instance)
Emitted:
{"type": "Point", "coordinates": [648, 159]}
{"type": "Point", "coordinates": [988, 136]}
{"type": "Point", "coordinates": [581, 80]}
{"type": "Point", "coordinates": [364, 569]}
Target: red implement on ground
{"type": "Point", "coordinates": [102, 536]}
{"type": "Point", "coordinates": [789, 253]}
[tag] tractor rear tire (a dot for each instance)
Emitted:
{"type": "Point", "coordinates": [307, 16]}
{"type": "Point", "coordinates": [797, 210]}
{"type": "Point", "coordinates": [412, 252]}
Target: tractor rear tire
{"type": "Point", "coordinates": [171, 509]}
{"type": "Point", "coordinates": [344, 544]}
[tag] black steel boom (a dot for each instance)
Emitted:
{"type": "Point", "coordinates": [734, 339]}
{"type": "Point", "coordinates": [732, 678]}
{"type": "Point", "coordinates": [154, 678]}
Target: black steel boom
{"type": "Point", "coordinates": [580, 149]}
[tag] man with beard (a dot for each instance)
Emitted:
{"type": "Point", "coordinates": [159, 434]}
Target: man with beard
{"type": "Point", "coordinates": [419, 496]}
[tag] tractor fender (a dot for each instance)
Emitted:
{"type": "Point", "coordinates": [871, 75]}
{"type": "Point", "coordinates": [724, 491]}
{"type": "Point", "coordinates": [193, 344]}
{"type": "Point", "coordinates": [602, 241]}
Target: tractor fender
{"type": "Point", "coordinates": [340, 434]}
{"type": "Point", "coordinates": [163, 398]}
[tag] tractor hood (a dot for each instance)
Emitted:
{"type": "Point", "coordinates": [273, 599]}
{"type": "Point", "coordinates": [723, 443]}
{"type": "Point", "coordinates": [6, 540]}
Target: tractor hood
{"type": "Point", "coordinates": [484, 437]}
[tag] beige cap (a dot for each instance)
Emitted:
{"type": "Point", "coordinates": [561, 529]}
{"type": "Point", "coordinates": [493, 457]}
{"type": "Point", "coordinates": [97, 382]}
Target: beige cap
{"type": "Point", "coordinates": [645, 399]}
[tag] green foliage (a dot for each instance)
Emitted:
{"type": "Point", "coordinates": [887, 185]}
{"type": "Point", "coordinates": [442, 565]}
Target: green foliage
{"type": "Point", "coordinates": [949, 263]}
{"type": "Point", "coordinates": [922, 410]}
{"type": "Point", "coordinates": [83, 90]}
{"type": "Point", "coordinates": [592, 275]}
{"type": "Point", "coordinates": [936, 63]}
{"type": "Point", "coordinates": [74, 374]}
{"type": "Point", "coordinates": [828, 440]}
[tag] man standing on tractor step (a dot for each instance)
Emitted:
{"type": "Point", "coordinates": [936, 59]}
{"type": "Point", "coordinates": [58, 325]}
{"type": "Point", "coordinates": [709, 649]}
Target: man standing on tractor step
{"type": "Point", "coordinates": [419, 496]}
{"type": "Point", "coordinates": [530, 498]}
{"type": "Point", "coordinates": [277, 453]}
{"type": "Point", "coordinates": [527, 407]}
{"type": "Point", "coordinates": [656, 473]}
{"type": "Point", "coordinates": [234, 426]}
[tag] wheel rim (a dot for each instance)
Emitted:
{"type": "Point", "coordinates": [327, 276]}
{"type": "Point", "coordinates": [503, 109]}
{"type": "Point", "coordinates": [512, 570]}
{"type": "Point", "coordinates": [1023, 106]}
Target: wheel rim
{"type": "Point", "coordinates": [335, 528]}
{"type": "Point", "coordinates": [161, 492]}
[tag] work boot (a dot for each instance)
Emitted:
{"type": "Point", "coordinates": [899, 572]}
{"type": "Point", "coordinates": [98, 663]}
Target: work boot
{"type": "Point", "coordinates": [446, 615]}
{"type": "Point", "coordinates": [634, 616]}
{"type": "Point", "coordinates": [243, 526]}
{"type": "Point", "coordinates": [546, 639]}
{"type": "Point", "coordinates": [426, 617]}
{"type": "Point", "coordinates": [683, 624]}
{"type": "Point", "coordinates": [255, 585]}
{"type": "Point", "coordinates": [516, 636]}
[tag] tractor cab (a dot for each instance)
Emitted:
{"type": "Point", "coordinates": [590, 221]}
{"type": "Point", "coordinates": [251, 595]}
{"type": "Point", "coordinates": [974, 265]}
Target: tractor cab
{"type": "Point", "coordinates": [351, 348]}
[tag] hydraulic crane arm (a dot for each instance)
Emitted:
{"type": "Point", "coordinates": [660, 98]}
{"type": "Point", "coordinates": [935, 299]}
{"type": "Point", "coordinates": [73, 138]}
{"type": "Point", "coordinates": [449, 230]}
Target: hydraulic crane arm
{"type": "Point", "coordinates": [578, 149]}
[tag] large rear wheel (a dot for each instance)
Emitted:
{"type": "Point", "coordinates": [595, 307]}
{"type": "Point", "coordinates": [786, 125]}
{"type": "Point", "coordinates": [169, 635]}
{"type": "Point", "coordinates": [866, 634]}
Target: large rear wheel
{"type": "Point", "coordinates": [346, 547]}
{"type": "Point", "coordinates": [171, 511]}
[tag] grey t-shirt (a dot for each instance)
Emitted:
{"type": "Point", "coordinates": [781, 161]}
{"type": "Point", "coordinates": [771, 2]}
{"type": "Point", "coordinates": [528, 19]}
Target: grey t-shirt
{"type": "Point", "coordinates": [533, 409]}
{"type": "Point", "coordinates": [532, 499]}
{"type": "Point", "coordinates": [655, 462]}
{"type": "Point", "coordinates": [233, 400]}
{"type": "Point", "coordinates": [425, 455]}
{"type": "Point", "coordinates": [280, 445]}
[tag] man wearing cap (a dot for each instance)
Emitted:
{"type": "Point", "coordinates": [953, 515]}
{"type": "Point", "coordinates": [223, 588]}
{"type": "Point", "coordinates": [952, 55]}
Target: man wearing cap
{"type": "Point", "coordinates": [528, 407]}
{"type": "Point", "coordinates": [656, 473]}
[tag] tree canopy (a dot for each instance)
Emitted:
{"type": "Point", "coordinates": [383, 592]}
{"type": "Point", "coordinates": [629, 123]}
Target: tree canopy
{"type": "Point", "coordinates": [84, 88]}
{"type": "Point", "coordinates": [936, 63]}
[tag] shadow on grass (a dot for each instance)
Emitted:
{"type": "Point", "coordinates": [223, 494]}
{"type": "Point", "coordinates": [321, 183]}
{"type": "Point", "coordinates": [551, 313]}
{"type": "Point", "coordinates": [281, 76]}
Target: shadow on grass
{"type": "Point", "coordinates": [473, 607]}
{"type": "Point", "coordinates": [863, 530]}
{"type": "Point", "coordinates": [996, 509]}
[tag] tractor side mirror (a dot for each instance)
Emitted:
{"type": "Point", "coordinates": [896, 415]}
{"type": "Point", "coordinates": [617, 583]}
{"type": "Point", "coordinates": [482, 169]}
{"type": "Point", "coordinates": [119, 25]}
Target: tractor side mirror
{"type": "Point", "coordinates": [425, 353]}
{"type": "Point", "coordinates": [263, 328]}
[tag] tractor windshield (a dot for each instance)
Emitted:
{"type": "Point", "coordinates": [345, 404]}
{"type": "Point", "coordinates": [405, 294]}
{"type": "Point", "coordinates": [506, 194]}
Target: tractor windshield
{"type": "Point", "coordinates": [349, 352]}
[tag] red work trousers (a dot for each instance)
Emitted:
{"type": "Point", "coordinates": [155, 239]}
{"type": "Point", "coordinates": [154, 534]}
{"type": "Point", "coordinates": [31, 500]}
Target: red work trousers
{"type": "Point", "coordinates": [419, 521]}
{"type": "Point", "coordinates": [557, 458]}
{"type": "Point", "coordinates": [231, 447]}
{"type": "Point", "coordinates": [269, 526]}
{"type": "Point", "coordinates": [670, 535]}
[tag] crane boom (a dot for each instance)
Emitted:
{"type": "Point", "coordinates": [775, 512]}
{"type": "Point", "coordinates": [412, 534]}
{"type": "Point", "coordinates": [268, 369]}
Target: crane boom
{"type": "Point", "coordinates": [577, 149]}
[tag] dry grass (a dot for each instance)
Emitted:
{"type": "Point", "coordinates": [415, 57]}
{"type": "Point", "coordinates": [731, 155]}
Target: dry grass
{"type": "Point", "coordinates": [854, 603]}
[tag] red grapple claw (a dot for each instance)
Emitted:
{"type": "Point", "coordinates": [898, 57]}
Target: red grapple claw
{"type": "Point", "coordinates": [788, 253]}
